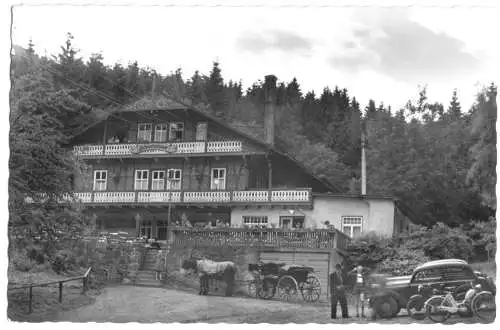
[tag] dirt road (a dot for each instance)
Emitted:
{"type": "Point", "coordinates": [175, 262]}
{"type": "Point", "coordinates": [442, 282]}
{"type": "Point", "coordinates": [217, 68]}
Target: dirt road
{"type": "Point", "coordinates": [140, 304]}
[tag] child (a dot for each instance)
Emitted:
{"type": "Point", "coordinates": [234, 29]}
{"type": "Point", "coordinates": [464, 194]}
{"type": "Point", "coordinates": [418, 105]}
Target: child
{"type": "Point", "coordinates": [359, 288]}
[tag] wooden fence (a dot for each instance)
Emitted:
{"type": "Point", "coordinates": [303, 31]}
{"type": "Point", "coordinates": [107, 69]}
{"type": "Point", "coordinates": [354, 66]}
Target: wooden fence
{"type": "Point", "coordinates": [265, 237]}
{"type": "Point", "coordinates": [84, 278]}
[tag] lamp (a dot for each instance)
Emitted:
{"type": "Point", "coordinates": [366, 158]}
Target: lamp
{"type": "Point", "coordinates": [292, 211]}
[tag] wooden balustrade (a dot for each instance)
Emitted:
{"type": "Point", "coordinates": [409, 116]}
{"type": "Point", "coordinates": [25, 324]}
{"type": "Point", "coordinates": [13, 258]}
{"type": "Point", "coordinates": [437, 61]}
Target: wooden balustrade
{"type": "Point", "coordinates": [207, 196]}
{"type": "Point", "coordinates": [251, 196]}
{"type": "Point", "coordinates": [185, 147]}
{"type": "Point", "coordinates": [114, 197]}
{"type": "Point", "coordinates": [224, 146]}
{"type": "Point", "coordinates": [162, 197]}
{"type": "Point", "coordinates": [267, 237]}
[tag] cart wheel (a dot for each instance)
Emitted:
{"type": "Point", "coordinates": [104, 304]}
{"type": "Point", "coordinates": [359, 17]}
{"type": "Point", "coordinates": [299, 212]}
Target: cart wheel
{"type": "Point", "coordinates": [311, 289]}
{"type": "Point", "coordinates": [253, 288]}
{"type": "Point", "coordinates": [287, 288]}
{"type": "Point", "coordinates": [268, 289]}
{"type": "Point", "coordinates": [483, 306]}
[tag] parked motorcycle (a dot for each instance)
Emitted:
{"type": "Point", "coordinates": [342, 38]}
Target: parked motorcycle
{"type": "Point", "coordinates": [477, 303]}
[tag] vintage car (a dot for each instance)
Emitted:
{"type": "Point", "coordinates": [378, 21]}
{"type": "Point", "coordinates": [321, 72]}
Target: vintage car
{"type": "Point", "coordinates": [388, 295]}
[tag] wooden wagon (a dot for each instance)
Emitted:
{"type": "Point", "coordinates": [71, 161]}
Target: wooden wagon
{"type": "Point", "coordinates": [284, 280]}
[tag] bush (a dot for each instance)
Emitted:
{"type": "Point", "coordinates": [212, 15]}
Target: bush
{"type": "Point", "coordinates": [63, 261]}
{"type": "Point", "coordinates": [401, 254]}
{"type": "Point", "coordinates": [368, 250]}
{"type": "Point", "coordinates": [403, 262]}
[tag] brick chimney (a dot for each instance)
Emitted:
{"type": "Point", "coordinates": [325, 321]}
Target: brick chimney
{"type": "Point", "coordinates": [269, 108]}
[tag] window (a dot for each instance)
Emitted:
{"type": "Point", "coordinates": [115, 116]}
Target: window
{"type": "Point", "coordinates": [174, 179]}
{"type": "Point", "coordinates": [218, 181]}
{"type": "Point", "coordinates": [176, 131]}
{"type": "Point", "coordinates": [144, 132]}
{"type": "Point", "coordinates": [458, 273]}
{"type": "Point", "coordinates": [146, 229]}
{"type": "Point", "coordinates": [255, 221]}
{"type": "Point", "coordinates": [428, 275]}
{"type": "Point", "coordinates": [141, 179]}
{"type": "Point", "coordinates": [160, 133]}
{"type": "Point", "coordinates": [352, 226]}
{"type": "Point", "coordinates": [100, 180]}
{"type": "Point", "coordinates": [158, 180]}
{"type": "Point", "coordinates": [292, 222]}
{"type": "Point", "coordinates": [201, 131]}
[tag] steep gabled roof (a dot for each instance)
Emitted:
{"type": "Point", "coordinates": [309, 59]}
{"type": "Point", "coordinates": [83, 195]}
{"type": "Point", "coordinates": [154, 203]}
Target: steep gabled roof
{"type": "Point", "coordinates": [165, 104]}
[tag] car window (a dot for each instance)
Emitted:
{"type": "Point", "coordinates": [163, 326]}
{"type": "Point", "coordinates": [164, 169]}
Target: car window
{"type": "Point", "coordinates": [458, 273]}
{"type": "Point", "coordinates": [428, 275]}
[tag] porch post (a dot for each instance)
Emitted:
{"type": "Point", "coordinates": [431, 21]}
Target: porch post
{"type": "Point", "coordinates": [104, 137]}
{"type": "Point", "coordinates": [154, 228]}
{"type": "Point", "coordinates": [269, 177]}
{"type": "Point", "coordinates": [137, 224]}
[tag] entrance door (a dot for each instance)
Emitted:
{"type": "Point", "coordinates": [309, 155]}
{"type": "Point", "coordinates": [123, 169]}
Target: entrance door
{"type": "Point", "coordinates": [161, 227]}
{"type": "Point", "coordinates": [146, 228]}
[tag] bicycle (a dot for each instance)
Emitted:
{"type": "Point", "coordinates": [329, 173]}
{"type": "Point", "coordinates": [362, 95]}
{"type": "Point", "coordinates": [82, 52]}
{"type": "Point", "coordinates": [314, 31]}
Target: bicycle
{"type": "Point", "coordinates": [439, 308]}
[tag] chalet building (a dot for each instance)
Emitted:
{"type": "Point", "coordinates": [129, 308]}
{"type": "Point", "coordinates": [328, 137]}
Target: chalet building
{"type": "Point", "coordinates": [164, 170]}
{"type": "Point", "coordinates": [171, 164]}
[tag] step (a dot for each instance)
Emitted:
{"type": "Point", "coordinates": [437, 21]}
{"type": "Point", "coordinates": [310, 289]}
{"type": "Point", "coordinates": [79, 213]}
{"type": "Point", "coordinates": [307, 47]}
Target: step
{"type": "Point", "coordinates": [148, 282]}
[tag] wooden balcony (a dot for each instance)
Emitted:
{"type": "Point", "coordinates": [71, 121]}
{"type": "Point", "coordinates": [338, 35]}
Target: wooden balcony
{"type": "Point", "coordinates": [266, 237]}
{"type": "Point", "coordinates": [157, 149]}
{"type": "Point", "coordinates": [276, 196]}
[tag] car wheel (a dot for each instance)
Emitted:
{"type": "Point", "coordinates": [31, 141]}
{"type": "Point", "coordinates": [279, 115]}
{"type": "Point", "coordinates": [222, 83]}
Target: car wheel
{"type": "Point", "coordinates": [415, 307]}
{"type": "Point", "coordinates": [384, 307]}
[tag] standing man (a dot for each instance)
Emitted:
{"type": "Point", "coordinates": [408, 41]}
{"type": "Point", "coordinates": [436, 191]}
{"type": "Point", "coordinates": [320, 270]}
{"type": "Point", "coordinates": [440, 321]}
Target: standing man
{"type": "Point", "coordinates": [337, 293]}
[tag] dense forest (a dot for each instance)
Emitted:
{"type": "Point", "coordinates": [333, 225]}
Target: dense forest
{"type": "Point", "coordinates": [439, 159]}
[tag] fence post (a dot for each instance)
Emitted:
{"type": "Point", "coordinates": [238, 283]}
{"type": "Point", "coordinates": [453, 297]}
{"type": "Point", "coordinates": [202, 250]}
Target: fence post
{"type": "Point", "coordinates": [30, 300]}
{"type": "Point", "coordinates": [84, 288]}
{"type": "Point", "coordinates": [60, 291]}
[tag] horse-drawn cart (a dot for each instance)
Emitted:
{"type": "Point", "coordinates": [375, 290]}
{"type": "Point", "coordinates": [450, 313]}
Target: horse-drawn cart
{"type": "Point", "coordinates": [285, 280]}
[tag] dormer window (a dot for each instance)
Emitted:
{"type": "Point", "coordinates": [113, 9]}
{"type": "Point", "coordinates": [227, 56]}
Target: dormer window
{"type": "Point", "coordinates": [144, 132]}
{"type": "Point", "coordinates": [176, 131]}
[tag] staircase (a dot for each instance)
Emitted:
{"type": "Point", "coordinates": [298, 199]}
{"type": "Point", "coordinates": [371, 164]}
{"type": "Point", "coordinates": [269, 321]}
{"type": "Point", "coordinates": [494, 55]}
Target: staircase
{"type": "Point", "coordinates": [146, 276]}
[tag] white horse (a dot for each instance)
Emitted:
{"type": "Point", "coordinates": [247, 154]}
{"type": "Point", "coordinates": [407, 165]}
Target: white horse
{"type": "Point", "coordinates": [208, 269]}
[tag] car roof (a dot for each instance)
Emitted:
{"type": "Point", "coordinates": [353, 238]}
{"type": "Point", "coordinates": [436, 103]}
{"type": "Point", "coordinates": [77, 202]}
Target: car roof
{"type": "Point", "coordinates": [443, 262]}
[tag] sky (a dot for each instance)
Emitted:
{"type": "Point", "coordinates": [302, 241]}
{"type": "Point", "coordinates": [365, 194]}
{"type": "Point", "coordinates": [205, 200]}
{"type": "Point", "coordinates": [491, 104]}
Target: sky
{"type": "Point", "coordinates": [380, 53]}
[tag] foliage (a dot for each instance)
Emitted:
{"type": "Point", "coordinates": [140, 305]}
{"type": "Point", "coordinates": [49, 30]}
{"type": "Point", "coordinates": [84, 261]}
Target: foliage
{"type": "Point", "coordinates": [368, 250]}
{"type": "Point", "coordinates": [402, 262]}
{"type": "Point", "coordinates": [41, 168]}
{"type": "Point", "coordinates": [399, 255]}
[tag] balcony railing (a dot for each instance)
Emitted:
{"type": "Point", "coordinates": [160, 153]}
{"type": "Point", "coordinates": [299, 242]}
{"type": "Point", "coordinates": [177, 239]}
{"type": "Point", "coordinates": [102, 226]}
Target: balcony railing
{"type": "Point", "coordinates": [267, 237]}
{"type": "Point", "coordinates": [279, 196]}
{"type": "Point", "coordinates": [129, 149]}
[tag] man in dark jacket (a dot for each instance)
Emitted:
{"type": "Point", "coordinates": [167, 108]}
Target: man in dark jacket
{"type": "Point", "coordinates": [337, 292]}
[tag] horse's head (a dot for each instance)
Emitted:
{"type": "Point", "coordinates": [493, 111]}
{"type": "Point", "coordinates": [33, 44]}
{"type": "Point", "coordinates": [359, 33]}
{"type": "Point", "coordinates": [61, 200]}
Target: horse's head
{"type": "Point", "coordinates": [189, 266]}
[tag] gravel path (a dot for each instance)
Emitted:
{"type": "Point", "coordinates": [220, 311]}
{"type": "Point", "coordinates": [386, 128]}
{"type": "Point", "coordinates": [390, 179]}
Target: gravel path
{"type": "Point", "coordinates": [140, 304]}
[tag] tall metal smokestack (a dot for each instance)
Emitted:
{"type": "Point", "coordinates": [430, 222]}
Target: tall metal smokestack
{"type": "Point", "coordinates": [269, 108]}
{"type": "Point", "coordinates": [363, 163]}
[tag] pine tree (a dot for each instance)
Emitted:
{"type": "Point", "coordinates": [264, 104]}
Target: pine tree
{"type": "Point", "coordinates": [196, 89]}
{"type": "Point", "coordinates": [454, 109]}
{"type": "Point", "coordinates": [215, 90]}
